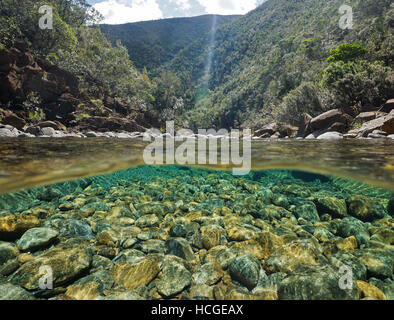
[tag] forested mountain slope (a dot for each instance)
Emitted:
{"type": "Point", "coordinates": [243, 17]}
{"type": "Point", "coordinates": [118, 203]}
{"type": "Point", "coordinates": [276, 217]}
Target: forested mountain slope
{"type": "Point", "coordinates": [271, 64]}
{"type": "Point", "coordinates": [153, 43]}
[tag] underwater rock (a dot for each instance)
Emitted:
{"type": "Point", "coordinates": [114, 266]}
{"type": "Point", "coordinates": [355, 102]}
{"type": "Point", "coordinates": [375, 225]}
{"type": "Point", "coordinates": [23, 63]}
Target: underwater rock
{"type": "Point", "coordinates": [67, 264]}
{"type": "Point", "coordinates": [246, 270]}
{"type": "Point", "coordinates": [307, 210]}
{"type": "Point", "coordinates": [13, 226]}
{"type": "Point", "coordinates": [9, 291]}
{"type": "Point", "coordinates": [269, 243]}
{"type": "Point", "coordinates": [209, 273]}
{"type": "Point", "coordinates": [153, 246]}
{"type": "Point", "coordinates": [368, 290]}
{"type": "Point", "coordinates": [146, 221]}
{"type": "Point", "coordinates": [241, 234]}
{"type": "Point", "coordinates": [128, 256]}
{"type": "Point", "coordinates": [181, 248]}
{"type": "Point", "coordinates": [350, 226]}
{"type": "Point", "coordinates": [201, 292]}
{"type": "Point", "coordinates": [70, 228]}
{"type": "Point", "coordinates": [348, 244]}
{"type": "Point", "coordinates": [136, 273]}
{"type": "Point", "coordinates": [103, 278]}
{"type": "Point", "coordinates": [287, 257]}
{"type": "Point", "coordinates": [87, 291]}
{"type": "Point", "coordinates": [176, 278]}
{"type": "Point", "coordinates": [36, 238]}
{"type": "Point", "coordinates": [313, 282]}
{"type": "Point", "coordinates": [7, 251]}
{"type": "Point", "coordinates": [211, 236]}
{"type": "Point", "coordinates": [379, 262]}
{"type": "Point", "coordinates": [386, 286]}
{"type": "Point", "coordinates": [344, 259]}
{"type": "Point", "coordinates": [331, 205]}
{"type": "Point", "coordinates": [178, 231]}
{"type": "Point", "coordinates": [365, 209]}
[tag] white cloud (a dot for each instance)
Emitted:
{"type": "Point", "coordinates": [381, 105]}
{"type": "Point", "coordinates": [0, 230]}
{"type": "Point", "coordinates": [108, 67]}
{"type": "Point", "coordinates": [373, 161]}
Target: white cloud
{"type": "Point", "coordinates": [182, 4]}
{"type": "Point", "coordinates": [124, 11]}
{"type": "Point", "coordinates": [226, 7]}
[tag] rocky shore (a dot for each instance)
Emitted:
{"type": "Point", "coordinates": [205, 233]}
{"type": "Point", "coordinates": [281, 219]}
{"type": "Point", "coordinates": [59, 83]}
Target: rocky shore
{"type": "Point", "coordinates": [331, 125]}
{"type": "Point", "coordinates": [208, 236]}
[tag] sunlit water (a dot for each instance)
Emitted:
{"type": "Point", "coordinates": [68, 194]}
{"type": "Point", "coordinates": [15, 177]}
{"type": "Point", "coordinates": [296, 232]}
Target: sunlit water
{"type": "Point", "coordinates": [26, 163]}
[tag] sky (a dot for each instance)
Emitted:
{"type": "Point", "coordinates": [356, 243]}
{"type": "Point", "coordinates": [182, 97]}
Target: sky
{"type": "Point", "coordinates": [124, 11]}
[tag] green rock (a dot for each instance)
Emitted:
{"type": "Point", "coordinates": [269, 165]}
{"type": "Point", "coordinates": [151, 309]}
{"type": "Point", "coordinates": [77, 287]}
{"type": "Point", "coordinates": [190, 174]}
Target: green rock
{"type": "Point", "coordinates": [176, 278]}
{"type": "Point", "coordinates": [9, 291]}
{"type": "Point", "coordinates": [306, 210]}
{"type": "Point", "coordinates": [350, 226]}
{"type": "Point", "coordinates": [181, 248]}
{"type": "Point", "coordinates": [146, 221]}
{"type": "Point", "coordinates": [66, 265]}
{"type": "Point", "coordinates": [331, 205]}
{"type": "Point", "coordinates": [36, 238]}
{"type": "Point", "coordinates": [314, 282]}
{"type": "Point", "coordinates": [379, 262]}
{"type": "Point", "coordinates": [246, 270]}
{"type": "Point", "coordinates": [70, 228]}
{"type": "Point", "coordinates": [209, 273]}
{"type": "Point", "coordinates": [7, 251]}
{"type": "Point", "coordinates": [341, 258]}
{"type": "Point", "coordinates": [365, 209]}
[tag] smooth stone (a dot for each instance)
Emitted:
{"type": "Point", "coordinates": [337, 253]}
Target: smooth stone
{"type": "Point", "coordinates": [313, 282]}
{"type": "Point", "coordinates": [379, 262]}
{"type": "Point", "coordinates": [246, 270]}
{"type": "Point", "coordinates": [66, 264]}
{"type": "Point", "coordinates": [7, 251]}
{"type": "Point", "coordinates": [136, 273]}
{"type": "Point", "coordinates": [9, 291]}
{"type": "Point", "coordinates": [364, 208]}
{"type": "Point", "coordinates": [181, 248]}
{"type": "Point", "coordinates": [330, 136]}
{"type": "Point", "coordinates": [70, 228]}
{"type": "Point", "coordinates": [36, 238]}
{"type": "Point", "coordinates": [176, 278]}
{"type": "Point", "coordinates": [12, 227]}
{"type": "Point", "coordinates": [147, 221]}
{"type": "Point", "coordinates": [350, 226]}
{"type": "Point", "coordinates": [209, 274]}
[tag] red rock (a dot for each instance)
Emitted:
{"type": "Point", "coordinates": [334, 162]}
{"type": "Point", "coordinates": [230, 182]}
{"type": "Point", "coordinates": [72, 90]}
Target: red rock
{"type": "Point", "coordinates": [327, 119]}
{"type": "Point", "coordinates": [388, 106]}
{"type": "Point", "coordinates": [12, 119]}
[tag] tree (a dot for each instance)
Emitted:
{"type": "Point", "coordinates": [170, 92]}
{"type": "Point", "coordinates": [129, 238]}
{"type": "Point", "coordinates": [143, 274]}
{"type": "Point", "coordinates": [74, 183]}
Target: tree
{"type": "Point", "coordinates": [347, 52]}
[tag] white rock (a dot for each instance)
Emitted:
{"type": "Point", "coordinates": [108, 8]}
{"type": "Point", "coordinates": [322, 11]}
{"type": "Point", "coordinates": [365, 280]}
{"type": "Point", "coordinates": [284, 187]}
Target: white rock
{"type": "Point", "coordinates": [6, 133]}
{"type": "Point", "coordinates": [48, 131]}
{"type": "Point", "coordinates": [330, 136]}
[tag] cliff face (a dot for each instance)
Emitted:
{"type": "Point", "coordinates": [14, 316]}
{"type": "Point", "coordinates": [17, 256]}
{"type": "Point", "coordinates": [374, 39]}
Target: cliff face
{"type": "Point", "coordinates": [22, 74]}
{"type": "Point", "coordinates": [28, 84]}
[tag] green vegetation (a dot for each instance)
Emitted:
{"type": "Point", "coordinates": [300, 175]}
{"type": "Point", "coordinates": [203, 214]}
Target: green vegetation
{"type": "Point", "coordinates": [284, 59]}
{"type": "Point", "coordinates": [154, 43]}
{"type": "Point", "coordinates": [280, 60]}
{"type": "Point", "coordinates": [76, 45]}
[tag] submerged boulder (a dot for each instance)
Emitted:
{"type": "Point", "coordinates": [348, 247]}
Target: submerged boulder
{"type": "Point", "coordinates": [313, 282]}
{"type": "Point", "coordinates": [65, 264]}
